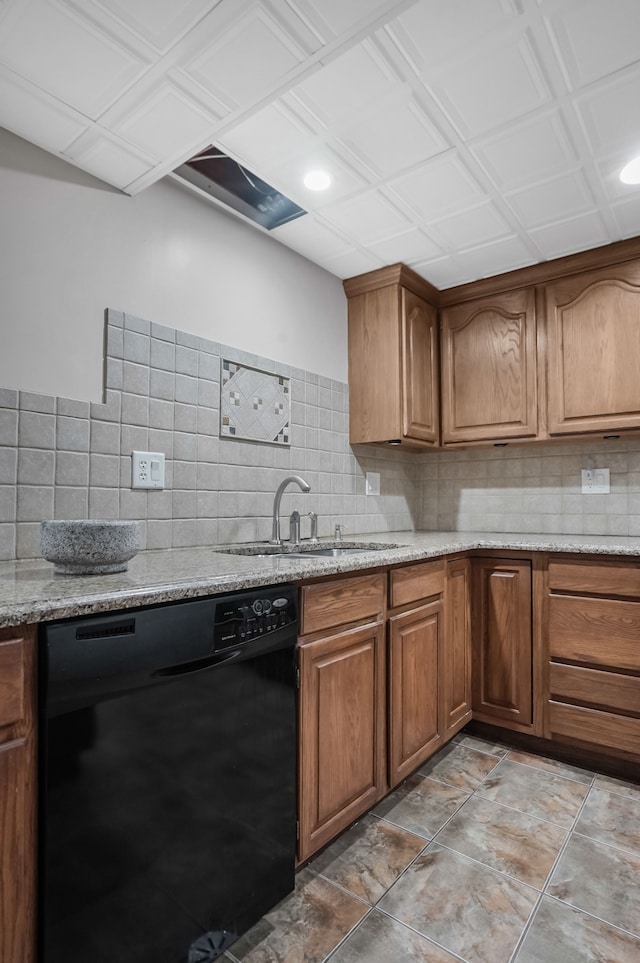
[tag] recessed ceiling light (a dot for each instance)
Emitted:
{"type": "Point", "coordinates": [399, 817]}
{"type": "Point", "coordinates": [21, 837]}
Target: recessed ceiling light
{"type": "Point", "coordinates": [317, 180]}
{"type": "Point", "coordinates": [630, 173]}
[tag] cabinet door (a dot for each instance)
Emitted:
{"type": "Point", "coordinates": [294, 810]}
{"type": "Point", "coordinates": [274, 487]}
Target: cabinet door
{"type": "Point", "coordinates": [341, 732]}
{"type": "Point", "coordinates": [455, 652]}
{"type": "Point", "coordinates": [593, 324]}
{"type": "Point", "coordinates": [414, 731]}
{"type": "Point", "coordinates": [502, 643]}
{"type": "Point", "coordinates": [420, 404]}
{"type": "Point", "coordinates": [17, 795]}
{"type": "Point", "coordinates": [489, 382]}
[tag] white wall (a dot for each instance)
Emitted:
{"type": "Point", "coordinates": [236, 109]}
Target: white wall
{"type": "Point", "coordinates": [70, 246]}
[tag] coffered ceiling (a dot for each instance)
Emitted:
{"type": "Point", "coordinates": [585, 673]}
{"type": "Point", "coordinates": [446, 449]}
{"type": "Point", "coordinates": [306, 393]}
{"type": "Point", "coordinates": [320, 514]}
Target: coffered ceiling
{"type": "Point", "coordinates": [464, 137]}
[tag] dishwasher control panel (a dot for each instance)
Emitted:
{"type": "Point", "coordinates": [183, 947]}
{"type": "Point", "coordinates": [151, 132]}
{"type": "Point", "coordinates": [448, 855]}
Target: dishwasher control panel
{"type": "Point", "coordinates": [242, 619]}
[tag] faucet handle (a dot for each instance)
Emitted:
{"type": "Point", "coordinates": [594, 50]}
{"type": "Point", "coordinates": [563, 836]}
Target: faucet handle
{"type": "Point", "coordinates": [294, 528]}
{"type": "Point", "coordinates": [314, 527]}
{"type": "Point", "coordinates": [338, 532]}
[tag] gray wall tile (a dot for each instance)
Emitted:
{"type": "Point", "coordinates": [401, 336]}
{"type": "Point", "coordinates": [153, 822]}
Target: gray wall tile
{"type": "Point", "coordinates": [8, 466]}
{"type": "Point", "coordinates": [35, 503]}
{"type": "Point", "coordinates": [7, 542]}
{"type": "Point", "coordinates": [8, 398]}
{"type": "Point", "coordinates": [28, 401]}
{"type": "Point", "coordinates": [72, 434]}
{"type": "Point", "coordinates": [36, 466]}
{"type": "Point", "coordinates": [36, 430]}
{"type": "Point", "coordinates": [72, 468]}
{"type": "Point", "coordinates": [71, 502]}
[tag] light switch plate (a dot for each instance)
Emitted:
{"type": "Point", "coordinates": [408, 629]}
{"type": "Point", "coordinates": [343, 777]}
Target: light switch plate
{"type": "Point", "coordinates": [147, 469]}
{"type": "Point", "coordinates": [372, 483]}
{"type": "Point", "coordinates": [595, 481]}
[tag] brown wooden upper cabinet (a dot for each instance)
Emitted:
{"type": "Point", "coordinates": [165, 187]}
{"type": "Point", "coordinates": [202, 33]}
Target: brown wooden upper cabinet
{"type": "Point", "coordinates": [593, 323]}
{"type": "Point", "coordinates": [393, 359]}
{"type": "Point", "coordinates": [489, 382]}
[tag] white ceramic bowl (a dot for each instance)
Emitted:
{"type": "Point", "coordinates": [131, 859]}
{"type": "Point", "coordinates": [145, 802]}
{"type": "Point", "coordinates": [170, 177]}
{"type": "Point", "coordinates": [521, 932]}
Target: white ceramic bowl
{"type": "Point", "coordinates": [93, 546]}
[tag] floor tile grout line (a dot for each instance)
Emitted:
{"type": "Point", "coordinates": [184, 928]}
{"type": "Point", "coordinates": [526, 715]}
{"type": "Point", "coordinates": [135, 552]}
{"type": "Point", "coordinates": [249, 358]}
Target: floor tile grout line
{"type": "Point", "coordinates": [429, 939]}
{"type": "Point", "coordinates": [594, 916]}
{"type": "Point", "coordinates": [548, 772]}
{"type": "Point", "coordinates": [543, 890]}
{"type": "Point", "coordinates": [617, 848]}
{"type": "Point", "coordinates": [491, 869]}
{"type": "Point", "coordinates": [523, 812]}
{"type": "Point", "coordinates": [346, 936]}
{"type": "Point", "coordinates": [551, 770]}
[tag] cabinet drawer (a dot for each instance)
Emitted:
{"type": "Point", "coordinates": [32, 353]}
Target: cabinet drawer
{"type": "Point", "coordinates": [595, 631]}
{"type": "Point", "coordinates": [606, 690]}
{"type": "Point", "coordinates": [593, 727]}
{"type": "Point", "coordinates": [11, 681]}
{"type": "Point", "coordinates": [325, 605]}
{"type": "Point", "coordinates": [414, 582]}
{"type": "Point", "coordinates": [599, 578]}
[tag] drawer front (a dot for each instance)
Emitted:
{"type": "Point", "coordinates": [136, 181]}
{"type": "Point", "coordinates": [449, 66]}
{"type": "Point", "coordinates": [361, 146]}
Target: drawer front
{"type": "Point", "coordinates": [326, 605]}
{"type": "Point", "coordinates": [598, 578]}
{"type": "Point", "coordinates": [592, 687]}
{"type": "Point", "coordinates": [414, 582]}
{"type": "Point", "coordinates": [593, 727]}
{"type": "Point", "coordinates": [11, 682]}
{"type": "Point", "coordinates": [595, 631]}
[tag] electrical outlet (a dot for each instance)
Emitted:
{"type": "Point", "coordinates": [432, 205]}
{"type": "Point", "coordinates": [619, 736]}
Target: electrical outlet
{"type": "Point", "coordinates": [595, 481]}
{"type": "Point", "coordinates": [147, 469]}
{"type": "Point", "coordinates": [372, 483]}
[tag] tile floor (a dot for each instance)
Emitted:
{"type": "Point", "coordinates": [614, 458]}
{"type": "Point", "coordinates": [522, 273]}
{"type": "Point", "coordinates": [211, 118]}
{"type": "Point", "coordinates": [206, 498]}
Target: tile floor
{"type": "Point", "coordinates": [485, 855]}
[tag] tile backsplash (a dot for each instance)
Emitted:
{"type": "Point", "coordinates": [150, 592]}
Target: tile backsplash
{"type": "Point", "coordinates": [61, 458]}
{"type": "Point", "coordinates": [70, 459]}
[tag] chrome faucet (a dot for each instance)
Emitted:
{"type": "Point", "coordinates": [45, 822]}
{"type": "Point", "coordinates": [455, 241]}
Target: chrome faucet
{"type": "Point", "coordinates": [303, 486]}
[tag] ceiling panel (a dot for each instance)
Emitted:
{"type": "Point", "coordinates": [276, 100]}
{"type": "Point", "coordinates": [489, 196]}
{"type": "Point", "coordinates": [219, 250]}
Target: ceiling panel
{"type": "Point", "coordinates": [157, 22]}
{"type": "Point", "coordinates": [595, 38]}
{"type": "Point", "coordinates": [470, 227]}
{"type": "Point", "coordinates": [252, 54]}
{"type": "Point", "coordinates": [526, 152]}
{"type": "Point", "coordinates": [409, 135]}
{"type": "Point", "coordinates": [84, 68]}
{"type": "Point", "coordinates": [555, 199]}
{"type": "Point", "coordinates": [33, 114]}
{"type": "Point", "coordinates": [101, 153]}
{"type": "Point", "coordinates": [442, 185]}
{"type": "Point", "coordinates": [464, 138]}
{"type": "Point", "coordinates": [507, 82]}
{"type": "Point", "coordinates": [574, 234]}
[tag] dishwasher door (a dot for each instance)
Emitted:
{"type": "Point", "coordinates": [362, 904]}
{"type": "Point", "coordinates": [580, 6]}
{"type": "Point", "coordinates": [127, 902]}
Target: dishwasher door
{"type": "Point", "coordinates": [167, 816]}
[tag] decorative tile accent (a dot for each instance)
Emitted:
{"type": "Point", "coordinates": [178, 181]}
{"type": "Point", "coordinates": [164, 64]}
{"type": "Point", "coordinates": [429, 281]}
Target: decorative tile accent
{"type": "Point", "coordinates": [254, 405]}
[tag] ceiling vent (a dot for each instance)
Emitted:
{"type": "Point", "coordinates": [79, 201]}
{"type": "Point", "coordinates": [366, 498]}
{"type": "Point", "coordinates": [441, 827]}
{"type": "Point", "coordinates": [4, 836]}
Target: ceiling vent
{"type": "Point", "coordinates": [229, 183]}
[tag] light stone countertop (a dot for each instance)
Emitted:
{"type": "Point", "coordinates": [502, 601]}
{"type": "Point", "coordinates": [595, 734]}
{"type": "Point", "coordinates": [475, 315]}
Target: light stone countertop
{"type": "Point", "coordinates": [30, 592]}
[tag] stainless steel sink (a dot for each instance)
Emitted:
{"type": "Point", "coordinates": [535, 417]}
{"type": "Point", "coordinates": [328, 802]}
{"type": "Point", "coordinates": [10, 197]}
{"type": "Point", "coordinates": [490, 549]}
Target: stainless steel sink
{"type": "Point", "coordinates": [268, 551]}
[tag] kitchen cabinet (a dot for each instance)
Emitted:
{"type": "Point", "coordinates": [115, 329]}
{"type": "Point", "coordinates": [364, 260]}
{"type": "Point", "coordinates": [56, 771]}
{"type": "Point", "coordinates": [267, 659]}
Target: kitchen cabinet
{"type": "Point", "coordinates": [594, 655]}
{"type": "Point", "coordinates": [17, 794]}
{"type": "Point", "coordinates": [593, 331]}
{"type": "Point", "coordinates": [415, 641]}
{"type": "Point", "coordinates": [502, 643]}
{"type": "Point", "coordinates": [455, 649]}
{"type": "Point", "coordinates": [342, 716]}
{"type": "Point", "coordinates": [393, 359]}
{"type": "Point", "coordinates": [489, 379]}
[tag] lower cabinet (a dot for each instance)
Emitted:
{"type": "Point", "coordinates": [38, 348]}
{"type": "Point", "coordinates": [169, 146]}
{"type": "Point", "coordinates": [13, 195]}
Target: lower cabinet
{"type": "Point", "coordinates": [415, 641]}
{"type": "Point", "coordinates": [342, 707]}
{"type": "Point", "coordinates": [17, 795]}
{"type": "Point", "coordinates": [502, 643]}
{"type": "Point", "coordinates": [455, 649]}
{"type": "Point", "coordinates": [594, 655]}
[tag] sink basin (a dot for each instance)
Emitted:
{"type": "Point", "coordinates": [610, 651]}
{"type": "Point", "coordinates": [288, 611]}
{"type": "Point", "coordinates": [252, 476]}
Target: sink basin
{"type": "Point", "coordinates": [329, 551]}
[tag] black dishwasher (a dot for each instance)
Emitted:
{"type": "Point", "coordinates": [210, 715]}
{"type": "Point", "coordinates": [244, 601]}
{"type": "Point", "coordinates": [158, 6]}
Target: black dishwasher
{"type": "Point", "coordinates": [167, 777]}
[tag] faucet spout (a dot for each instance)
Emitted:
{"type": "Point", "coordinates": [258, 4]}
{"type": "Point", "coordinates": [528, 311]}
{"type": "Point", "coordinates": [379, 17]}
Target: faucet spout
{"type": "Point", "coordinates": [291, 479]}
